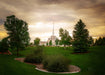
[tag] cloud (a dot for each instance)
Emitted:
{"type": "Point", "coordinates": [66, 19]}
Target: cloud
{"type": "Point", "coordinates": [1, 21]}
{"type": "Point", "coordinates": [2, 32]}
{"type": "Point", "coordinates": [66, 12]}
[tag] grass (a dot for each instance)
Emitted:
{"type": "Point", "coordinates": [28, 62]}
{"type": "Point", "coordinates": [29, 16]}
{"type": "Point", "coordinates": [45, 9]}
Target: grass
{"type": "Point", "coordinates": [92, 63]}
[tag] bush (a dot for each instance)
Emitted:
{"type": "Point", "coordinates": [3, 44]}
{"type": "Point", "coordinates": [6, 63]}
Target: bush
{"type": "Point", "coordinates": [56, 63]}
{"type": "Point", "coordinates": [36, 57]}
{"type": "Point", "coordinates": [38, 50]}
{"type": "Point", "coordinates": [32, 58]}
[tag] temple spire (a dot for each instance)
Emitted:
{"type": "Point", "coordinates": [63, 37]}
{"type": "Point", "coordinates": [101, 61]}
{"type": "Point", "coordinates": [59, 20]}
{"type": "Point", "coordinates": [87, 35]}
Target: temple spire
{"type": "Point", "coordinates": [53, 29]}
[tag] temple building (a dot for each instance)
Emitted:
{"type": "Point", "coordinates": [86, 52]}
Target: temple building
{"type": "Point", "coordinates": [52, 38]}
{"type": "Point", "coordinates": [43, 43]}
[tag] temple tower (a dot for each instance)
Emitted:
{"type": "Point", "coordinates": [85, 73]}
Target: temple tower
{"type": "Point", "coordinates": [53, 37]}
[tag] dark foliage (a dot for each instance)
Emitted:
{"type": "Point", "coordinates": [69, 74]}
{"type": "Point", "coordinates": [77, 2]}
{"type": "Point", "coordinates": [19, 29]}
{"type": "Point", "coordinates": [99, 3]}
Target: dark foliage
{"type": "Point", "coordinates": [47, 43]}
{"type": "Point", "coordinates": [38, 50]}
{"type": "Point", "coordinates": [80, 35]}
{"type": "Point", "coordinates": [50, 43]}
{"type": "Point", "coordinates": [91, 41]}
{"type": "Point", "coordinates": [65, 37]}
{"type": "Point", "coordinates": [36, 57]}
{"type": "Point", "coordinates": [36, 41]}
{"type": "Point", "coordinates": [56, 63]}
{"type": "Point", "coordinates": [100, 42]}
{"type": "Point", "coordinates": [32, 58]}
{"type": "Point", "coordinates": [17, 30]}
{"type": "Point", "coordinates": [57, 42]}
{"type": "Point", "coordinates": [4, 45]}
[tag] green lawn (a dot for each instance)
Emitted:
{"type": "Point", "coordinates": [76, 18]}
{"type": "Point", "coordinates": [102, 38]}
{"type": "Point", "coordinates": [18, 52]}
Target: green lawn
{"type": "Point", "coordinates": [92, 63]}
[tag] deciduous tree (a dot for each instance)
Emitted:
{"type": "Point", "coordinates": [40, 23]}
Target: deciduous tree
{"type": "Point", "coordinates": [65, 37]}
{"type": "Point", "coordinates": [4, 45]}
{"type": "Point", "coordinates": [36, 41]}
{"type": "Point", "coordinates": [17, 30]}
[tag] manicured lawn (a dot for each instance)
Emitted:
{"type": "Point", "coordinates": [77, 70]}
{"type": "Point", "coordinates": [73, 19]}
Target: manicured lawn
{"type": "Point", "coordinates": [92, 63]}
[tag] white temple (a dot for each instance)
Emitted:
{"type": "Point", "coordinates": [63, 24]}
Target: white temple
{"type": "Point", "coordinates": [52, 38]}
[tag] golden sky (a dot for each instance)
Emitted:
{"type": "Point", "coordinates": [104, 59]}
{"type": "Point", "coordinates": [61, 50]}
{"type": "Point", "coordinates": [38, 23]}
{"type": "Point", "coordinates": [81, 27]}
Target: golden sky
{"type": "Point", "coordinates": [40, 15]}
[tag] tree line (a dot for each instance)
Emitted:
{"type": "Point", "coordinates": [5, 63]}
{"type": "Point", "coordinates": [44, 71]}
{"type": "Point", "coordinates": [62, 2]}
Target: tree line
{"type": "Point", "coordinates": [18, 36]}
{"type": "Point", "coordinates": [81, 40]}
{"type": "Point", "coordinates": [100, 41]}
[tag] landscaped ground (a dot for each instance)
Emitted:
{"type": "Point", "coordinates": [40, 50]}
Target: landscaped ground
{"type": "Point", "coordinates": [92, 63]}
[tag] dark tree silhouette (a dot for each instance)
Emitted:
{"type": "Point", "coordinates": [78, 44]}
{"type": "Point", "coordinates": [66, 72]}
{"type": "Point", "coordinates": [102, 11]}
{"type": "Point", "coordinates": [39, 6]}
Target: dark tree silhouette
{"type": "Point", "coordinates": [4, 45]}
{"type": "Point", "coordinates": [17, 31]}
{"type": "Point", "coordinates": [100, 41]}
{"type": "Point", "coordinates": [91, 41]}
{"type": "Point", "coordinates": [80, 35]}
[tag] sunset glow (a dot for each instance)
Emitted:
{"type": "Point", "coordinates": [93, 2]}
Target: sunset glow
{"type": "Point", "coordinates": [41, 14]}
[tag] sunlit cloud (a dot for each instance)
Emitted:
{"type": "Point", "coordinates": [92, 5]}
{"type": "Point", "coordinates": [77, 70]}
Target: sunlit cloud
{"type": "Point", "coordinates": [44, 30]}
{"type": "Point", "coordinates": [41, 14]}
{"type": "Point", "coordinates": [3, 32]}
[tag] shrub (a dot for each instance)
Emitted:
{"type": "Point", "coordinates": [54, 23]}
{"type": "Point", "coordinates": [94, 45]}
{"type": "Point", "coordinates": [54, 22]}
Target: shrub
{"type": "Point", "coordinates": [56, 63]}
{"type": "Point", "coordinates": [36, 57]}
{"type": "Point", "coordinates": [32, 58]}
{"type": "Point", "coordinates": [38, 50]}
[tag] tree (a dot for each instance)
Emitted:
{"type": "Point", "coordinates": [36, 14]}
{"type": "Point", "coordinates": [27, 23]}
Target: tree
{"type": "Point", "coordinates": [65, 37]}
{"type": "Point", "coordinates": [17, 31]}
{"type": "Point", "coordinates": [4, 45]}
{"type": "Point", "coordinates": [100, 41]}
{"type": "Point", "coordinates": [96, 41]}
{"type": "Point", "coordinates": [57, 42]}
{"type": "Point", "coordinates": [91, 41]}
{"type": "Point", "coordinates": [50, 43]}
{"type": "Point", "coordinates": [104, 41]}
{"type": "Point", "coordinates": [80, 35]}
{"type": "Point", "coordinates": [31, 44]}
{"type": "Point", "coordinates": [36, 41]}
{"type": "Point", "coordinates": [60, 42]}
{"type": "Point", "coordinates": [47, 43]}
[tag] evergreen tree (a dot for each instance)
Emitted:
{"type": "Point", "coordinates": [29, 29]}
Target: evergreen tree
{"type": "Point", "coordinates": [17, 31]}
{"type": "Point", "coordinates": [50, 43]}
{"type": "Point", "coordinates": [100, 41]}
{"type": "Point", "coordinates": [36, 41]}
{"type": "Point", "coordinates": [57, 42]}
{"type": "Point", "coordinates": [47, 43]}
{"type": "Point", "coordinates": [80, 34]}
{"type": "Point", "coordinates": [96, 42]}
{"type": "Point", "coordinates": [104, 41]}
{"type": "Point", "coordinates": [91, 41]}
{"type": "Point", "coordinates": [65, 37]}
